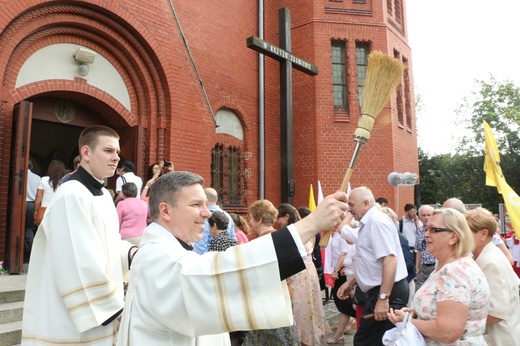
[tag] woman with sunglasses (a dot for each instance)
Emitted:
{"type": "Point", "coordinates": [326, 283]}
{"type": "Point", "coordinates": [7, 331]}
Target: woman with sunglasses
{"type": "Point", "coordinates": [452, 305]}
{"type": "Point", "coordinates": [503, 321]}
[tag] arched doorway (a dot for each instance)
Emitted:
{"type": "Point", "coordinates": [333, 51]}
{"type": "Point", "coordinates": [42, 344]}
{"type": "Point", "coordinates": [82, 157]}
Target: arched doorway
{"type": "Point", "coordinates": [56, 126]}
{"type": "Point", "coordinates": [49, 129]}
{"type": "Point", "coordinates": [127, 88]}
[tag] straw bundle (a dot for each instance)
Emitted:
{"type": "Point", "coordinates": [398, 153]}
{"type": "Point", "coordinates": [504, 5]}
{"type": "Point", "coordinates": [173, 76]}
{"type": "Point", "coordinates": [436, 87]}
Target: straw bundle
{"type": "Point", "coordinates": [384, 74]}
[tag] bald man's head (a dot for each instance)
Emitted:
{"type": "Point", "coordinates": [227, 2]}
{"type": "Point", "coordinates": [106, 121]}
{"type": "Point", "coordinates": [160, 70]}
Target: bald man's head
{"type": "Point", "coordinates": [456, 204]}
{"type": "Point", "coordinates": [212, 196]}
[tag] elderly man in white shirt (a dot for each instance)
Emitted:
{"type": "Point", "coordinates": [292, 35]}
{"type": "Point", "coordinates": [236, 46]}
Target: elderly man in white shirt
{"type": "Point", "coordinates": [379, 266]}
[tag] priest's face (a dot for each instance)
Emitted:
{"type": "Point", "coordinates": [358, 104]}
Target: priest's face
{"type": "Point", "coordinates": [188, 215]}
{"type": "Point", "coordinates": [101, 160]}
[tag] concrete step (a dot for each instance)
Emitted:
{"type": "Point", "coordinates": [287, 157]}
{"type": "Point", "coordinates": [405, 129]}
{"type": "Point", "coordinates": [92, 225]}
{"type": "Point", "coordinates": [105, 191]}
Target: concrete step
{"type": "Point", "coordinates": [11, 333]}
{"type": "Point", "coordinates": [12, 296]}
{"type": "Point", "coordinates": [11, 312]}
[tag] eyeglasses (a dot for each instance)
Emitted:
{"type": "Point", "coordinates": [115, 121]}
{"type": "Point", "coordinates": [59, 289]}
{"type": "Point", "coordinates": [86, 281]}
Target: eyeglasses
{"type": "Point", "coordinates": [438, 229]}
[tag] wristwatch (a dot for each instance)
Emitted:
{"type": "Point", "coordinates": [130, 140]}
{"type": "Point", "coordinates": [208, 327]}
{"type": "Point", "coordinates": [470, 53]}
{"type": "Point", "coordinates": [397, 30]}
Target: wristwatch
{"type": "Point", "coordinates": [383, 296]}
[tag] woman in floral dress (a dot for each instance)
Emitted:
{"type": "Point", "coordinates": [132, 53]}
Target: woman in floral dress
{"type": "Point", "coordinates": [452, 305]}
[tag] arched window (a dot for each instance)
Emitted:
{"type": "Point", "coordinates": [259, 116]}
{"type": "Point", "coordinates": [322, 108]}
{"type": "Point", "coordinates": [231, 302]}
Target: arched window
{"type": "Point", "coordinates": [228, 169]}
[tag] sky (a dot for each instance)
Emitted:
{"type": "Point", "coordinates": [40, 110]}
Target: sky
{"type": "Point", "coordinates": [454, 43]}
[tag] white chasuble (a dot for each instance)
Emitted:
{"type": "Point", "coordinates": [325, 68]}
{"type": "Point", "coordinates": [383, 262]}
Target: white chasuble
{"type": "Point", "coordinates": [75, 274]}
{"type": "Point", "coordinates": [177, 297]}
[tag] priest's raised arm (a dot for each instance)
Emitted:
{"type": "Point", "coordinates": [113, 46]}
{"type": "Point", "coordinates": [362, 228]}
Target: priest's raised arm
{"type": "Point", "coordinates": [177, 297]}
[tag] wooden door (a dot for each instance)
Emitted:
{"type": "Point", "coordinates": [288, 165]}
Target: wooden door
{"type": "Point", "coordinates": [20, 143]}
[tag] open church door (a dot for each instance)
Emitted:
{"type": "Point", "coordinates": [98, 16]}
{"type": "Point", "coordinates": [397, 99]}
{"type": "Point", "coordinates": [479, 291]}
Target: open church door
{"type": "Point", "coordinates": [20, 143]}
{"type": "Point", "coordinates": [131, 144]}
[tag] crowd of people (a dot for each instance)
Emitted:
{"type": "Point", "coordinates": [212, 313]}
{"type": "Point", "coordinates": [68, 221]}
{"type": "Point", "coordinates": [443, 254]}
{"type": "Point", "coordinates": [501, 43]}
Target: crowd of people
{"type": "Point", "coordinates": [163, 263]}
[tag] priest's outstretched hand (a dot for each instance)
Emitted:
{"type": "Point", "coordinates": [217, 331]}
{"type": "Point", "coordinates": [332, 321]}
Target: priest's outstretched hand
{"type": "Point", "coordinates": [325, 217]}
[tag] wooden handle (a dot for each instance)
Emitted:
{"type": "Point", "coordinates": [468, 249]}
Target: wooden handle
{"type": "Point", "coordinates": [324, 241]}
{"type": "Point", "coordinates": [346, 179]}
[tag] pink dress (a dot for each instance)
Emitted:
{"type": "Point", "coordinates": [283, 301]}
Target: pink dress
{"type": "Point", "coordinates": [308, 312]}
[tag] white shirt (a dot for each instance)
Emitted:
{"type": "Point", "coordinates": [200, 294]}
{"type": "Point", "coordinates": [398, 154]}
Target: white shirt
{"type": "Point", "coordinates": [33, 180]}
{"type": "Point", "coordinates": [130, 177]}
{"type": "Point", "coordinates": [377, 238]}
{"type": "Point", "coordinates": [48, 191]}
{"type": "Point", "coordinates": [410, 231]}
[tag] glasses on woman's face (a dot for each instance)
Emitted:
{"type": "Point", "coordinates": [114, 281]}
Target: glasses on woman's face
{"type": "Point", "coordinates": [437, 229]}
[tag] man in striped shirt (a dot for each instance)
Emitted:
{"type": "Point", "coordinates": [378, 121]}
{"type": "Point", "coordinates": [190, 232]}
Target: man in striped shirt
{"type": "Point", "coordinates": [379, 266]}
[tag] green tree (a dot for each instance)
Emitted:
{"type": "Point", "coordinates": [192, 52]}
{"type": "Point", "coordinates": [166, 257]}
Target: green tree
{"type": "Point", "coordinates": [498, 103]}
{"type": "Point", "coordinates": [462, 175]}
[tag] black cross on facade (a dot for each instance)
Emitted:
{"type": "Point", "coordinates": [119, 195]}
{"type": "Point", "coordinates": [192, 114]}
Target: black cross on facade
{"type": "Point", "coordinates": [287, 62]}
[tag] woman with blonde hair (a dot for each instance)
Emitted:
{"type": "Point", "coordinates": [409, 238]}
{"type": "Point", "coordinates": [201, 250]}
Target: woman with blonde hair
{"type": "Point", "coordinates": [452, 305]}
{"type": "Point", "coordinates": [503, 320]}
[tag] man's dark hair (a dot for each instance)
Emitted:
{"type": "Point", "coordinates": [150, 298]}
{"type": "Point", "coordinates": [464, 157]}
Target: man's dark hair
{"type": "Point", "coordinates": [382, 200]}
{"type": "Point", "coordinates": [90, 135]}
{"type": "Point", "coordinates": [288, 209]}
{"type": "Point", "coordinates": [220, 219]}
{"type": "Point", "coordinates": [409, 207]}
{"type": "Point", "coordinates": [304, 212]}
{"type": "Point", "coordinates": [166, 188]}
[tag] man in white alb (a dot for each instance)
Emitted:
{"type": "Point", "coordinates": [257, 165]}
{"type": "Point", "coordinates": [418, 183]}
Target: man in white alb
{"type": "Point", "coordinates": [74, 287]}
{"type": "Point", "coordinates": [177, 297]}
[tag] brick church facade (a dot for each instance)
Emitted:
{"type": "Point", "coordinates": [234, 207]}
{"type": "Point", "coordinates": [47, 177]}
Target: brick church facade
{"type": "Point", "coordinates": [165, 73]}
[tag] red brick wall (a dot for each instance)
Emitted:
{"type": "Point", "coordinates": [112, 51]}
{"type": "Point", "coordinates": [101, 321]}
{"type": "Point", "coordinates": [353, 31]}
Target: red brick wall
{"type": "Point", "coordinates": [143, 42]}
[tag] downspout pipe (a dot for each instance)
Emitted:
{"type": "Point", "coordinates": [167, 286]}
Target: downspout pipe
{"type": "Point", "coordinates": [261, 105]}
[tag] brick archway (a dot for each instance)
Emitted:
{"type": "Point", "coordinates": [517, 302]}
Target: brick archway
{"type": "Point", "coordinates": [108, 30]}
{"type": "Point", "coordinates": [114, 112]}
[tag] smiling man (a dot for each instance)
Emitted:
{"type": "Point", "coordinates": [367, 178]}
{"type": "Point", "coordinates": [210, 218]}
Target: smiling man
{"type": "Point", "coordinates": [75, 278]}
{"type": "Point", "coordinates": [177, 297]}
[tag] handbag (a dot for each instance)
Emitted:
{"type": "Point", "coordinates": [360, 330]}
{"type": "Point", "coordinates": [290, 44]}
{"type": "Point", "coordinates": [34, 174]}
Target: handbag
{"type": "Point", "coordinates": [404, 334]}
{"type": "Point", "coordinates": [39, 215]}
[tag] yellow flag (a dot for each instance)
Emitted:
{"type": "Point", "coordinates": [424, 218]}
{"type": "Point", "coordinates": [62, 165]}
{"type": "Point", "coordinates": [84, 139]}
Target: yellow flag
{"type": "Point", "coordinates": [512, 202]}
{"type": "Point", "coordinates": [312, 202]}
{"type": "Point", "coordinates": [494, 177]}
{"type": "Point", "coordinates": [492, 158]}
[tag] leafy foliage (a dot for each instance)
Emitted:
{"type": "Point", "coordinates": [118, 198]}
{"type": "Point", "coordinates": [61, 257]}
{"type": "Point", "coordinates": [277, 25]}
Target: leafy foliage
{"type": "Point", "coordinates": [498, 103]}
{"type": "Point", "coordinates": [462, 175]}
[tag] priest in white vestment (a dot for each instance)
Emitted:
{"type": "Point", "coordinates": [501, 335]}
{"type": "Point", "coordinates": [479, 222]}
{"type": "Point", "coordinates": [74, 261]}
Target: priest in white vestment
{"type": "Point", "coordinates": [176, 297]}
{"type": "Point", "coordinates": [75, 278]}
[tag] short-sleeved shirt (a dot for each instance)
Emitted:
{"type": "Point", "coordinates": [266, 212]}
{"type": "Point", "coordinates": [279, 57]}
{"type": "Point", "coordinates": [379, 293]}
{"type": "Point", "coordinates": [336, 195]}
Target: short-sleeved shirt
{"type": "Point", "coordinates": [48, 191]}
{"type": "Point", "coordinates": [377, 238]}
{"type": "Point", "coordinates": [459, 281]}
{"type": "Point", "coordinates": [129, 177]}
